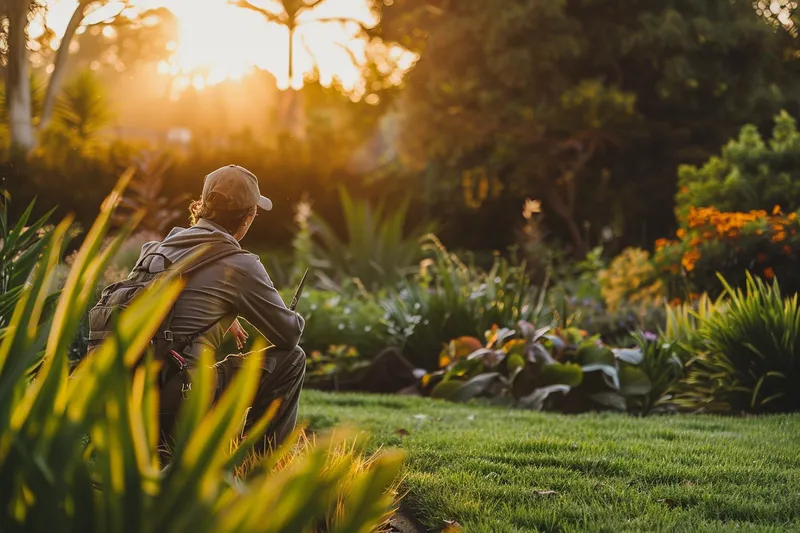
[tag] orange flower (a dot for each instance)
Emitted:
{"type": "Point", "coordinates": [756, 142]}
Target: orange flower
{"type": "Point", "coordinates": [776, 210]}
{"type": "Point", "coordinates": [690, 259]}
{"type": "Point", "coordinates": [769, 273]}
{"type": "Point", "coordinates": [762, 257]}
{"type": "Point", "coordinates": [792, 217]}
{"type": "Point", "coordinates": [675, 302]}
{"type": "Point", "coordinates": [684, 189]}
{"type": "Point", "coordinates": [779, 237]}
{"type": "Point", "coordinates": [696, 241]}
{"type": "Point", "coordinates": [681, 233]}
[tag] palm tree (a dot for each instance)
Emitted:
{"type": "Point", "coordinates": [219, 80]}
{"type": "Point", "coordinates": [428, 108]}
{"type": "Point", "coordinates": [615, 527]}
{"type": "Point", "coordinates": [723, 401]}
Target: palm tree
{"type": "Point", "coordinates": [289, 13]}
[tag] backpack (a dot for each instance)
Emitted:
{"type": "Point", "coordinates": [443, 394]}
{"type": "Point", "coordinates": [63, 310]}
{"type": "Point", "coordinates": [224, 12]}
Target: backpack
{"type": "Point", "coordinates": [118, 296]}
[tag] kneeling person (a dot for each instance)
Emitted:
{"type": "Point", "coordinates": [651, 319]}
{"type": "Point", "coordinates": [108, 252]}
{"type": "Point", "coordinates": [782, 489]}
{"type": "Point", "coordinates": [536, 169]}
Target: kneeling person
{"type": "Point", "coordinates": [226, 282]}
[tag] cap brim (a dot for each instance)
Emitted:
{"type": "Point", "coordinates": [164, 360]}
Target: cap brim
{"type": "Point", "coordinates": [265, 203]}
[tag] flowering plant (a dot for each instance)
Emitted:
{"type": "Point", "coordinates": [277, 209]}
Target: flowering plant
{"type": "Point", "coordinates": [731, 243]}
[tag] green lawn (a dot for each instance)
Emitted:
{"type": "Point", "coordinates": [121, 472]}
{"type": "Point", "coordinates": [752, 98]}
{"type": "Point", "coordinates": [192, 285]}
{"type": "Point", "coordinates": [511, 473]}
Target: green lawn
{"type": "Point", "coordinates": [492, 469]}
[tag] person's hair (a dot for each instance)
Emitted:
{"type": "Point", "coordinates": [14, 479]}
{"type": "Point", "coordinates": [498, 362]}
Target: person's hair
{"type": "Point", "coordinates": [230, 220]}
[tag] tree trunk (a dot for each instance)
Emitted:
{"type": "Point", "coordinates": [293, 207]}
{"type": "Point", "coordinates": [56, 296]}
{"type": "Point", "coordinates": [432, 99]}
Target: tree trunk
{"type": "Point", "coordinates": [558, 206]}
{"type": "Point", "coordinates": [62, 55]}
{"type": "Point", "coordinates": [18, 85]}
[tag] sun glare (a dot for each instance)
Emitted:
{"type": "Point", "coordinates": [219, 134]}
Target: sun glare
{"type": "Point", "coordinates": [219, 41]}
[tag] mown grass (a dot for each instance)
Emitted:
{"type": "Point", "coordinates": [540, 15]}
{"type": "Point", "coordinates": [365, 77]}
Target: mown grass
{"type": "Point", "coordinates": [493, 470]}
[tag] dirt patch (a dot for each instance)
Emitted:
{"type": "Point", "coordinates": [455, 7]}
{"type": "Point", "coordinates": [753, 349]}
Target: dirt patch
{"type": "Point", "coordinates": [403, 521]}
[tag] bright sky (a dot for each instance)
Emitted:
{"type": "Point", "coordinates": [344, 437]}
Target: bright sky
{"type": "Point", "coordinates": [220, 41]}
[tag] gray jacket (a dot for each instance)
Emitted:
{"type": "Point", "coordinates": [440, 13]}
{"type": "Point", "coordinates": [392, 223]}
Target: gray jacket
{"type": "Point", "coordinates": [237, 285]}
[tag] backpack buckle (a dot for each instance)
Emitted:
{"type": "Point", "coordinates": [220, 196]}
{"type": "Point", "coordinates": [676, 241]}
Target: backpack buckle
{"type": "Point", "coordinates": [168, 336]}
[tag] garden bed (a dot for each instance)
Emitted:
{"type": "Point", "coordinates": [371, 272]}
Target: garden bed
{"type": "Point", "coordinates": [491, 469]}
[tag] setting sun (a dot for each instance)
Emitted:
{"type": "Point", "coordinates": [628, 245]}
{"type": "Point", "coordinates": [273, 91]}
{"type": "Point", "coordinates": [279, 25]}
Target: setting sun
{"type": "Point", "coordinates": [220, 41]}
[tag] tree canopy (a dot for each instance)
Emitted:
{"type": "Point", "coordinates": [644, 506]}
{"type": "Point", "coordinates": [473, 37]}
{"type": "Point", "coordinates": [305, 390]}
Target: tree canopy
{"type": "Point", "coordinates": [586, 104]}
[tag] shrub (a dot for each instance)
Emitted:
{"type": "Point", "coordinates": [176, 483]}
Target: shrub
{"type": "Point", "coordinates": [631, 280]}
{"type": "Point", "coordinates": [334, 319]}
{"type": "Point", "coordinates": [733, 244]}
{"type": "Point", "coordinates": [563, 369]}
{"type": "Point", "coordinates": [81, 453]}
{"type": "Point", "coordinates": [378, 249]}
{"type": "Point", "coordinates": [448, 299]}
{"type": "Point", "coordinates": [326, 369]}
{"type": "Point", "coordinates": [749, 174]}
{"type": "Point", "coordinates": [751, 355]}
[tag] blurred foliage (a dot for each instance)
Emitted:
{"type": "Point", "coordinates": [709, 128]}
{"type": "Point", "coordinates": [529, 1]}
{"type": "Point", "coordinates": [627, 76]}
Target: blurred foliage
{"type": "Point", "coordinates": [750, 174]}
{"type": "Point", "coordinates": [83, 107]}
{"type": "Point", "coordinates": [631, 279]}
{"type": "Point", "coordinates": [335, 319]}
{"type": "Point", "coordinates": [81, 453]}
{"type": "Point", "coordinates": [748, 353]}
{"type": "Point", "coordinates": [118, 268]}
{"type": "Point", "coordinates": [586, 105]}
{"type": "Point", "coordinates": [449, 299]}
{"type": "Point", "coordinates": [145, 194]}
{"type": "Point", "coordinates": [342, 451]}
{"type": "Point", "coordinates": [327, 368]}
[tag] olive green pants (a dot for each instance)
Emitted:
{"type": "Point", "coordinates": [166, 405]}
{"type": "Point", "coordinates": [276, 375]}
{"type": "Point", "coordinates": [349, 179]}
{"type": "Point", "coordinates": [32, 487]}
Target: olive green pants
{"type": "Point", "coordinates": [282, 374]}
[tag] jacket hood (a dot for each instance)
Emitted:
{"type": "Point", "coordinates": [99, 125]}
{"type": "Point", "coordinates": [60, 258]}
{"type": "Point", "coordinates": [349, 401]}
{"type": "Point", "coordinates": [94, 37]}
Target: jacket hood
{"type": "Point", "coordinates": [180, 243]}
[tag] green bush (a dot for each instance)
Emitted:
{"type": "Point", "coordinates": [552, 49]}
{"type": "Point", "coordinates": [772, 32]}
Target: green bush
{"type": "Point", "coordinates": [449, 299]}
{"type": "Point", "coordinates": [334, 319]}
{"type": "Point", "coordinates": [749, 357]}
{"type": "Point", "coordinates": [749, 174]}
{"type": "Point", "coordinates": [79, 453]}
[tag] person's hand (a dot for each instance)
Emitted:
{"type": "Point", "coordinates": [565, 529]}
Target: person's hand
{"type": "Point", "coordinates": [238, 333]}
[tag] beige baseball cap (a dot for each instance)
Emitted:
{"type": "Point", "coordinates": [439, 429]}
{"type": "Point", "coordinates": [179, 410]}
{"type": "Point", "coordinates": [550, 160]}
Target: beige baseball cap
{"type": "Point", "coordinates": [237, 189]}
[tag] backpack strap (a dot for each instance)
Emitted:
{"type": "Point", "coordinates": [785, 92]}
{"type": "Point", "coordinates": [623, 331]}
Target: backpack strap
{"type": "Point", "coordinates": [216, 252]}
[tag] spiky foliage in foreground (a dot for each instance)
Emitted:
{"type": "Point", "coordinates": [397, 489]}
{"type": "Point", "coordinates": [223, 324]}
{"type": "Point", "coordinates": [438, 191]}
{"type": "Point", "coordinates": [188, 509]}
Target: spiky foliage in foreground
{"type": "Point", "coordinates": [79, 452]}
{"type": "Point", "coordinates": [340, 453]}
